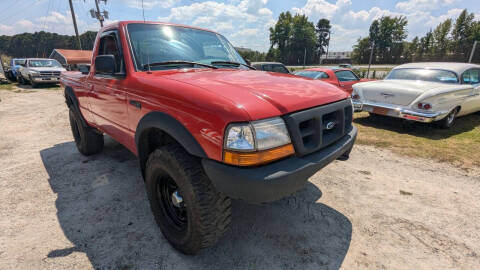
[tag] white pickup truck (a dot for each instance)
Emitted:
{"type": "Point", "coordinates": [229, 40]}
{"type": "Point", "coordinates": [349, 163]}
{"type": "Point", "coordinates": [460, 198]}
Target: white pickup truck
{"type": "Point", "coordinates": [40, 71]}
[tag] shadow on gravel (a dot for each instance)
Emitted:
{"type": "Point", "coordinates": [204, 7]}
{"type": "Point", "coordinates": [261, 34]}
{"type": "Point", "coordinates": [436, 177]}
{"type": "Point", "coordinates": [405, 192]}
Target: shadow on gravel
{"type": "Point", "coordinates": [424, 130]}
{"type": "Point", "coordinates": [103, 210]}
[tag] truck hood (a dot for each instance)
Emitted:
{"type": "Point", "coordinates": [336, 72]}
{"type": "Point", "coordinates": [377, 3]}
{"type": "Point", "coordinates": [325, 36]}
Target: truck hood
{"type": "Point", "coordinates": [400, 92]}
{"type": "Point", "coordinates": [262, 94]}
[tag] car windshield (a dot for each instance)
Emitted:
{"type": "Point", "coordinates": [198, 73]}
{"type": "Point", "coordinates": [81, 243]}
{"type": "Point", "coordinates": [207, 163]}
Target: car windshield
{"type": "Point", "coordinates": [155, 43]}
{"type": "Point", "coordinates": [423, 74]}
{"type": "Point", "coordinates": [18, 62]}
{"type": "Point", "coordinates": [43, 63]}
{"type": "Point", "coordinates": [311, 74]}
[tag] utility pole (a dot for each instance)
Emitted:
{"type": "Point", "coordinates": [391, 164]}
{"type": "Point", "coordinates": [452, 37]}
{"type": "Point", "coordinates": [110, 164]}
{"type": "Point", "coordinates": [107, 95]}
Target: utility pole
{"type": "Point", "coordinates": [370, 61]}
{"type": "Point", "coordinates": [97, 14]}
{"type": "Point", "coordinates": [100, 18]}
{"type": "Point", "coordinates": [304, 57]}
{"type": "Point", "coordinates": [472, 52]}
{"type": "Point", "coordinates": [75, 24]}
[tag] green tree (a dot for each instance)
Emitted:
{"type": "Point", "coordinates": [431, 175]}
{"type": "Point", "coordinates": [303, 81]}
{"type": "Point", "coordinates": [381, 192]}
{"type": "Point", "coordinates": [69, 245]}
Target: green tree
{"type": "Point", "coordinates": [323, 35]}
{"type": "Point", "coordinates": [303, 40]}
{"type": "Point", "coordinates": [441, 39]}
{"type": "Point", "coordinates": [280, 35]}
{"type": "Point", "coordinates": [291, 37]}
{"type": "Point", "coordinates": [388, 34]}
{"type": "Point", "coordinates": [463, 35]}
{"type": "Point", "coordinates": [361, 51]}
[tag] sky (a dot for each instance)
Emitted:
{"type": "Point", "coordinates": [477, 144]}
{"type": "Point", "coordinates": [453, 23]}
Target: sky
{"type": "Point", "coordinates": [244, 22]}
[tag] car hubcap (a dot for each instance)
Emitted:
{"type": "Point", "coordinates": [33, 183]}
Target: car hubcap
{"type": "Point", "coordinates": [171, 201]}
{"type": "Point", "coordinates": [451, 116]}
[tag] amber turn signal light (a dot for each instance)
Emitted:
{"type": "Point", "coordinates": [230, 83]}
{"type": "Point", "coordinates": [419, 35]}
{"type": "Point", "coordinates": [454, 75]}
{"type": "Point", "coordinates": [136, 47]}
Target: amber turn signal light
{"type": "Point", "coordinates": [257, 158]}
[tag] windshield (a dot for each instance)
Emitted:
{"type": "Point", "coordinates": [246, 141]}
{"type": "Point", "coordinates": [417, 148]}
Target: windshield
{"type": "Point", "coordinates": [155, 43]}
{"type": "Point", "coordinates": [312, 74]}
{"type": "Point", "coordinates": [18, 62]}
{"type": "Point", "coordinates": [422, 74]}
{"type": "Point", "coordinates": [43, 63]}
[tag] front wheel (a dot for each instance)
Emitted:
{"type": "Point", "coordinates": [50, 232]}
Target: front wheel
{"type": "Point", "coordinates": [88, 140]}
{"type": "Point", "coordinates": [190, 212]}
{"type": "Point", "coordinates": [21, 80]}
{"type": "Point", "coordinates": [34, 84]}
{"type": "Point", "coordinates": [449, 120]}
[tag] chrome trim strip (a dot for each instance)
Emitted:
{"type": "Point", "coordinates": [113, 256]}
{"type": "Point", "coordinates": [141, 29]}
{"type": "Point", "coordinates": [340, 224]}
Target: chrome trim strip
{"type": "Point", "coordinates": [401, 112]}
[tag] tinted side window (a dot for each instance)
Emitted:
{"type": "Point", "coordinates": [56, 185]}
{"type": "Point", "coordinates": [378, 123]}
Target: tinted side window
{"type": "Point", "coordinates": [279, 68]}
{"type": "Point", "coordinates": [267, 67]}
{"type": "Point", "coordinates": [471, 76]}
{"type": "Point", "coordinates": [109, 45]}
{"type": "Point", "coordinates": [346, 76]}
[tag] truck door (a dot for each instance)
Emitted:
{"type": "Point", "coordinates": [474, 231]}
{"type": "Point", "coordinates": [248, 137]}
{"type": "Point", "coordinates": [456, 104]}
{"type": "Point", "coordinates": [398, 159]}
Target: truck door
{"type": "Point", "coordinates": [108, 92]}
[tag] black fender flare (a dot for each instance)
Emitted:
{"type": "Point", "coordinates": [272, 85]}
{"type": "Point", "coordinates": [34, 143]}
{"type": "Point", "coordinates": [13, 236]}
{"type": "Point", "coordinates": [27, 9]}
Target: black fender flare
{"type": "Point", "coordinates": [170, 126]}
{"type": "Point", "coordinates": [72, 102]}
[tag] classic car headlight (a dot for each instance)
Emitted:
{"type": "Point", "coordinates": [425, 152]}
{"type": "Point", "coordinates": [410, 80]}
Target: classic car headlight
{"type": "Point", "coordinates": [257, 142]}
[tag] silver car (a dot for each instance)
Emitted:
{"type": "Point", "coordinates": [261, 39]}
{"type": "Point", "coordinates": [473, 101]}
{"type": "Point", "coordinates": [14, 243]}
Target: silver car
{"type": "Point", "coordinates": [40, 71]}
{"type": "Point", "coordinates": [423, 92]}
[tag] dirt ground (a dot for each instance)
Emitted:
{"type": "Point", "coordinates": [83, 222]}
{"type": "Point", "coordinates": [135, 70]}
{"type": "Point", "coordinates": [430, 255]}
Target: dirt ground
{"type": "Point", "coordinates": [61, 210]}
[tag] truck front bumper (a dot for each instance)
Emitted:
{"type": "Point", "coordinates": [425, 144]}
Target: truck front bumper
{"type": "Point", "coordinates": [39, 79]}
{"type": "Point", "coordinates": [274, 181]}
{"type": "Point", "coordinates": [398, 112]}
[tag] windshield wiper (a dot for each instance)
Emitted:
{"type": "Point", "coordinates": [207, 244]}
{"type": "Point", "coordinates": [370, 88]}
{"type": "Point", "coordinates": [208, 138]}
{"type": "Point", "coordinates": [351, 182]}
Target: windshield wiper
{"type": "Point", "coordinates": [176, 62]}
{"type": "Point", "coordinates": [232, 63]}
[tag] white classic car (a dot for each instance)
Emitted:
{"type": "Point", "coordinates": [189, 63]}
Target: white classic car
{"type": "Point", "coordinates": [40, 70]}
{"type": "Point", "coordinates": [423, 92]}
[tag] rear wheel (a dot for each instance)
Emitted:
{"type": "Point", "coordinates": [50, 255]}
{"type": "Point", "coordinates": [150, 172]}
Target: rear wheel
{"type": "Point", "coordinates": [88, 140]}
{"type": "Point", "coordinates": [449, 120]}
{"type": "Point", "coordinates": [190, 212]}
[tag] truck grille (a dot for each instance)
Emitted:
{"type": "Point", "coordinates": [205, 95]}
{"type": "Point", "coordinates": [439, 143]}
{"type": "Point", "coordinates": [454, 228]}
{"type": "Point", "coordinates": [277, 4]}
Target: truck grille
{"type": "Point", "coordinates": [50, 73]}
{"type": "Point", "coordinates": [316, 128]}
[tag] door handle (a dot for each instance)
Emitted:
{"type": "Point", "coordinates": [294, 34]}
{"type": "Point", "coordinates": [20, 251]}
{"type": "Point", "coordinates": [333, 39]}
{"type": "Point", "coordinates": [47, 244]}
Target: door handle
{"type": "Point", "coordinates": [135, 103]}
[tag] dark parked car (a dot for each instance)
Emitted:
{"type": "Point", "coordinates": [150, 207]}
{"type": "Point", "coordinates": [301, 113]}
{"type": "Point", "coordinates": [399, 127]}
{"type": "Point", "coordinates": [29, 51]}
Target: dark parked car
{"type": "Point", "coordinates": [270, 66]}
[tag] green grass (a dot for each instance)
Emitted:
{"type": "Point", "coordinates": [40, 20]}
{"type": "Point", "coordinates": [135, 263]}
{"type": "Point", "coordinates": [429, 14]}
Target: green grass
{"type": "Point", "coordinates": [459, 145]}
{"type": "Point", "coordinates": [7, 86]}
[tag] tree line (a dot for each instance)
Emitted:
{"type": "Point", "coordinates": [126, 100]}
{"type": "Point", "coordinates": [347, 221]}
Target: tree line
{"type": "Point", "coordinates": [41, 44]}
{"type": "Point", "coordinates": [450, 40]}
{"type": "Point", "coordinates": [295, 39]}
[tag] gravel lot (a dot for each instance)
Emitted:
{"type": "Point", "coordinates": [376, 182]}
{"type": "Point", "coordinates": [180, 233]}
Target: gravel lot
{"type": "Point", "coordinates": [60, 209]}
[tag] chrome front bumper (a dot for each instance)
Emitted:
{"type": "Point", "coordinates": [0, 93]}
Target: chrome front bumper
{"type": "Point", "coordinates": [398, 112]}
{"type": "Point", "coordinates": [40, 79]}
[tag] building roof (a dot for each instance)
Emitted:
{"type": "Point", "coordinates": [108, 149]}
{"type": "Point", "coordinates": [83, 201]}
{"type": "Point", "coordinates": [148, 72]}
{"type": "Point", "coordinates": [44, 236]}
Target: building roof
{"type": "Point", "coordinates": [458, 68]}
{"type": "Point", "coordinates": [75, 56]}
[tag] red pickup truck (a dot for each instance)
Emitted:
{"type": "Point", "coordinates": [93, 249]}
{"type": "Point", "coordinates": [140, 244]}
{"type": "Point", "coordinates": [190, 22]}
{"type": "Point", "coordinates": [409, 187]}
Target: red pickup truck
{"type": "Point", "coordinates": [205, 126]}
{"type": "Point", "coordinates": [344, 78]}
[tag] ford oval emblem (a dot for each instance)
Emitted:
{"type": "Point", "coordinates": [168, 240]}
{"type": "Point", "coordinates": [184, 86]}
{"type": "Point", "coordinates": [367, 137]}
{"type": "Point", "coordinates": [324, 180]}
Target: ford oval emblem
{"type": "Point", "coordinates": [330, 125]}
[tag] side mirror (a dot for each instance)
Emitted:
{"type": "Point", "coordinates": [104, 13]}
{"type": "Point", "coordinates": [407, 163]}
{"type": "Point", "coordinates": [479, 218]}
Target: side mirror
{"type": "Point", "coordinates": [84, 69]}
{"type": "Point", "coordinates": [248, 62]}
{"type": "Point", "coordinates": [105, 64]}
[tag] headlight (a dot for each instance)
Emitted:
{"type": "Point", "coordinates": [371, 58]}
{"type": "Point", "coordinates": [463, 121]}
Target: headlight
{"type": "Point", "coordinates": [34, 72]}
{"type": "Point", "coordinates": [257, 142]}
{"type": "Point", "coordinates": [270, 133]}
{"type": "Point", "coordinates": [240, 137]}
